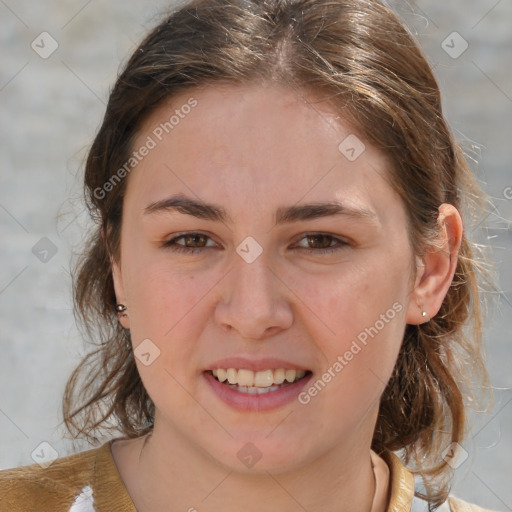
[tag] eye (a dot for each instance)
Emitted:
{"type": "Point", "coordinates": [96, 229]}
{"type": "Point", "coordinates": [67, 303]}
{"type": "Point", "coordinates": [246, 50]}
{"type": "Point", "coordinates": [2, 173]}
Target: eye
{"type": "Point", "coordinates": [322, 243]}
{"type": "Point", "coordinates": [192, 242]}
{"type": "Point", "coordinates": [196, 242]}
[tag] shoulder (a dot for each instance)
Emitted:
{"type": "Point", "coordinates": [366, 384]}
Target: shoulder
{"type": "Point", "coordinates": [452, 504]}
{"type": "Point", "coordinates": [402, 491]}
{"type": "Point", "coordinates": [70, 484]}
{"type": "Point", "coordinates": [52, 488]}
{"type": "Point", "coordinates": [458, 505]}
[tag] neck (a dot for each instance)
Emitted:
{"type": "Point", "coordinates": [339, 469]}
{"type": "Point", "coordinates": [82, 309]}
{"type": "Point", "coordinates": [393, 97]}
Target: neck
{"type": "Point", "coordinates": [339, 481]}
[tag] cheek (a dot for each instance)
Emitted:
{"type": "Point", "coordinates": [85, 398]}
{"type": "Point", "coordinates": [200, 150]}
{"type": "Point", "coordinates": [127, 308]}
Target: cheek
{"type": "Point", "coordinates": [169, 312]}
{"type": "Point", "coordinates": [166, 302]}
{"type": "Point", "coordinates": [358, 325]}
{"type": "Point", "coordinates": [346, 300]}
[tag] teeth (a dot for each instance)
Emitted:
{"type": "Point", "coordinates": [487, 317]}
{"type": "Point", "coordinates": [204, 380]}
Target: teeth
{"type": "Point", "coordinates": [232, 375]}
{"type": "Point", "coordinates": [279, 375]}
{"type": "Point", "coordinates": [263, 379]}
{"type": "Point", "coordinates": [253, 390]}
{"type": "Point", "coordinates": [251, 382]}
{"type": "Point", "coordinates": [290, 375]}
{"type": "Point", "coordinates": [245, 378]}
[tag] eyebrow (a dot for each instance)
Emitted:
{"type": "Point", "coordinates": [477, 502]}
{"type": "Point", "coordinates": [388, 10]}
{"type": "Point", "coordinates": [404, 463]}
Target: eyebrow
{"type": "Point", "coordinates": [289, 214]}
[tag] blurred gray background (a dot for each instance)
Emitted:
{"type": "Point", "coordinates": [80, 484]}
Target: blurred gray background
{"type": "Point", "coordinates": [59, 60]}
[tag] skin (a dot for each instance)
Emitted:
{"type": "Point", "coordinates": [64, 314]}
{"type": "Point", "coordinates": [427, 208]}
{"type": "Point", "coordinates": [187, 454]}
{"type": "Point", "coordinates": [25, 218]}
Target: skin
{"type": "Point", "coordinates": [252, 150]}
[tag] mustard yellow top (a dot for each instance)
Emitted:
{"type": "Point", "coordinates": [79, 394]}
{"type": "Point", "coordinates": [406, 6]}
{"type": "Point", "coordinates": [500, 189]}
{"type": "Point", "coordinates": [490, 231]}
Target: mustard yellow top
{"type": "Point", "coordinates": [90, 482]}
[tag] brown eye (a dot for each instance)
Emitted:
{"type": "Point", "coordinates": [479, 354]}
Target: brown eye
{"type": "Point", "coordinates": [194, 240]}
{"type": "Point", "coordinates": [321, 243]}
{"type": "Point", "coordinates": [190, 243]}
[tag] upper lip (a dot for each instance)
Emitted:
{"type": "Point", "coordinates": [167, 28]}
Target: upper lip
{"type": "Point", "coordinates": [255, 364]}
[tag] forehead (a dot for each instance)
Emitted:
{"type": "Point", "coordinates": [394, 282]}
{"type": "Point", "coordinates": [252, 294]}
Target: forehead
{"type": "Point", "coordinates": [255, 145]}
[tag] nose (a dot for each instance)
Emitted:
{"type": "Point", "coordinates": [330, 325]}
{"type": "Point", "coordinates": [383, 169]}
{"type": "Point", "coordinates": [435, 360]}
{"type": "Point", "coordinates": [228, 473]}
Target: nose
{"type": "Point", "coordinates": [255, 302]}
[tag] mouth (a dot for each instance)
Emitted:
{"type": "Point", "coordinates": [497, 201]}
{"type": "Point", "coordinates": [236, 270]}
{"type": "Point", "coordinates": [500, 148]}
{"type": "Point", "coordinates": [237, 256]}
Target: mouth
{"type": "Point", "coordinates": [260, 382]}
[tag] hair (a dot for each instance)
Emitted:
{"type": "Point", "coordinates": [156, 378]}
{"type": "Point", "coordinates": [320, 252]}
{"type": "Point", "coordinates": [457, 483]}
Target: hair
{"type": "Point", "coordinates": [358, 56]}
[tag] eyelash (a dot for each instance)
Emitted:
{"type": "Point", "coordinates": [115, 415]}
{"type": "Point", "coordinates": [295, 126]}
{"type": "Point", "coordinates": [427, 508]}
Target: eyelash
{"type": "Point", "coordinates": [173, 246]}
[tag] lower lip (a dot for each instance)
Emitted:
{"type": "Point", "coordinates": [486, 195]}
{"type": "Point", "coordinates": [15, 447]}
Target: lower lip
{"type": "Point", "coordinates": [263, 402]}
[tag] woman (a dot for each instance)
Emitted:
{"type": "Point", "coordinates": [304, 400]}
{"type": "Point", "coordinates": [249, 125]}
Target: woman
{"type": "Point", "coordinates": [279, 278]}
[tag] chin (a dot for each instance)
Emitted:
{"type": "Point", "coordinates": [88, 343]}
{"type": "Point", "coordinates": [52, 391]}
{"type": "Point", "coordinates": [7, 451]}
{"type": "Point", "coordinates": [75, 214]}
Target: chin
{"type": "Point", "coordinates": [261, 455]}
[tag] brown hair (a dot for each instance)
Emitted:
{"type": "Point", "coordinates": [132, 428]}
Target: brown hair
{"type": "Point", "coordinates": [357, 55]}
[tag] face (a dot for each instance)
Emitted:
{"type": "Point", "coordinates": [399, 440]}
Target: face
{"type": "Point", "coordinates": [256, 248]}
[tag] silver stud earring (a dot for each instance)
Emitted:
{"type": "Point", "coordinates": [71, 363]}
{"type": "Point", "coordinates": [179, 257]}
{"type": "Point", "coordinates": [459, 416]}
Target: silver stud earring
{"type": "Point", "coordinates": [424, 314]}
{"type": "Point", "coordinates": [120, 310]}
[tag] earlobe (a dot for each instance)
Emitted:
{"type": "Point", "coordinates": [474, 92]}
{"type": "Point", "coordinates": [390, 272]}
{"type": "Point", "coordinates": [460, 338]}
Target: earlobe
{"type": "Point", "coordinates": [437, 268]}
{"type": "Point", "coordinates": [121, 306]}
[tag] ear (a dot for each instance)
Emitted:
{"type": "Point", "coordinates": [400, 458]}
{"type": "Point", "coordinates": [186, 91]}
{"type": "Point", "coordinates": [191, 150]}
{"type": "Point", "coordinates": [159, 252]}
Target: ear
{"type": "Point", "coordinates": [117, 278]}
{"type": "Point", "coordinates": [436, 269]}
